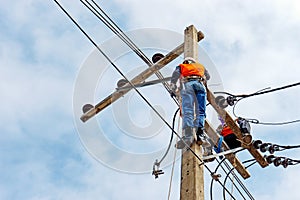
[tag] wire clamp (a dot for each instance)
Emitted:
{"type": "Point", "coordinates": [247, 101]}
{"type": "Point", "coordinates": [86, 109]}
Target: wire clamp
{"type": "Point", "coordinates": [156, 171]}
{"type": "Point", "coordinates": [215, 176]}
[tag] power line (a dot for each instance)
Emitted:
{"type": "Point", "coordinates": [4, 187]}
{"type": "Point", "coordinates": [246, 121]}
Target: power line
{"type": "Point", "coordinates": [230, 171]}
{"type": "Point", "coordinates": [240, 182]}
{"type": "Point", "coordinates": [256, 121]}
{"type": "Point", "coordinates": [234, 99]}
{"type": "Point", "coordinates": [212, 180]}
{"type": "Point", "coordinates": [104, 18]}
{"type": "Point", "coordinates": [223, 161]}
{"type": "Point", "coordinates": [260, 92]}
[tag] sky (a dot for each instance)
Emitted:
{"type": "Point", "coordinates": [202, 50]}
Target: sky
{"type": "Point", "coordinates": [48, 70]}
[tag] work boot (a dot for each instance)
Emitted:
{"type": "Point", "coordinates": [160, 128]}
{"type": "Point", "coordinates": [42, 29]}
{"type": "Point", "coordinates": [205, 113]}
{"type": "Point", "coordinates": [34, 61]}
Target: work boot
{"type": "Point", "coordinates": [208, 152]}
{"type": "Point", "coordinates": [200, 136]}
{"type": "Point", "coordinates": [187, 138]}
{"type": "Point", "coordinates": [184, 141]}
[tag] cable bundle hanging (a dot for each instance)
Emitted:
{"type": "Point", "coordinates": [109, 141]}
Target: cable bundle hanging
{"type": "Point", "coordinates": [156, 171]}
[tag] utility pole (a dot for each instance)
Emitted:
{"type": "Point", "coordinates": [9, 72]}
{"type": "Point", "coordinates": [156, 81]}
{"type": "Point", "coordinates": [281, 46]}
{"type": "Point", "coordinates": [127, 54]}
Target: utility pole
{"type": "Point", "coordinates": [192, 177]}
{"type": "Point", "coordinates": [192, 170]}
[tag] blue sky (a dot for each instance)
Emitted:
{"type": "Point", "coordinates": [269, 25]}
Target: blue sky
{"type": "Point", "coordinates": [252, 46]}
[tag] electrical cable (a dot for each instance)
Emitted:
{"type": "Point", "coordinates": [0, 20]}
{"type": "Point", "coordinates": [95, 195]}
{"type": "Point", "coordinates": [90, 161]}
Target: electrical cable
{"type": "Point", "coordinates": [171, 139]}
{"type": "Point", "coordinates": [173, 164]}
{"type": "Point", "coordinates": [230, 171]}
{"type": "Point", "coordinates": [238, 98]}
{"type": "Point", "coordinates": [115, 29]}
{"type": "Point", "coordinates": [211, 184]}
{"type": "Point", "coordinates": [212, 180]}
{"type": "Point", "coordinates": [288, 146]}
{"type": "Point", "coordinates": [239, 182]}
{"type": "Point", "coordinates": [255, 121]}
{"type": "Point", "coordinates": [235, 176]}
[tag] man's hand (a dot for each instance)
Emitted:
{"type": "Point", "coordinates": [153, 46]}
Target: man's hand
{"type": "Point", "coordinates": [173, 88]}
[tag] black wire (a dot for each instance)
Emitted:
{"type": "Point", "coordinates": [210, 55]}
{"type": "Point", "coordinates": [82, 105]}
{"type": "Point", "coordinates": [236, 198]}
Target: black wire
{"type": "Point", "coordinates": [256, 121]}
{"type": "Point", "coordinates": [114, 28]}
{"type": "Point", "coordinates": [275, 123]}
{"type": "Point", "coordinates": [225, 182]}
{"type": "Point", "coordinates": [288, 146]}
{"type": "Point", "coordinates": [212, 180]}
{"type": "Point", "coordinates": [296, 162]}
{"type": "Point", "coordinates": [124, 38]}
{"type": "Point", "coordinates": [268, 91]}
{"type": "Point", "coordinates": [251, 164]}
{"type": "Point", "coordinates": [128, 41]}
{"type": "Point", "coordinates": [171, 139]}
{"type": "Point", "coordinates": [230, 171]}
{"type": "Point", "coordinates": [235, 176]}
{"type": "Point", "coordinates": [240, 182]}
{"type": "Point", "coordinates": [233, 109]}
{"type": "Point", "coordinates": [260, 92]}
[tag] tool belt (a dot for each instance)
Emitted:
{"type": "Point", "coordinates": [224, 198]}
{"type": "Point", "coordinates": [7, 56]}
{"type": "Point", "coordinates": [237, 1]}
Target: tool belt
{"type": "Point", "coordinates": [192, 78]}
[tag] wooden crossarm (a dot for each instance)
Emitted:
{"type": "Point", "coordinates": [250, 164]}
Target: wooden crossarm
{"type": "Point", "coordinates": [235, 128]}
{"type": "Point", "coordinates": [136, 80]}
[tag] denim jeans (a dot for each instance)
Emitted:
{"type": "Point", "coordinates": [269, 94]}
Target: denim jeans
{"type": "Point", "coordinates": [193, 96]}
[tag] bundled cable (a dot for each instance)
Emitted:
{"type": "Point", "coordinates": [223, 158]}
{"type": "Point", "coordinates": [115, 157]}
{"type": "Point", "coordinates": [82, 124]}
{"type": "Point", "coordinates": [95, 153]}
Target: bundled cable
{"type": "Point", "coordinates": [106, 20]}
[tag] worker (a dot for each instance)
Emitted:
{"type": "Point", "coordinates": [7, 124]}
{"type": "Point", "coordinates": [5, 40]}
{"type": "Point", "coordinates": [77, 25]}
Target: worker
{"type": "Point", "coordinates": [193, 76]}
{"type": "Point", "coordinates": [228, 135]}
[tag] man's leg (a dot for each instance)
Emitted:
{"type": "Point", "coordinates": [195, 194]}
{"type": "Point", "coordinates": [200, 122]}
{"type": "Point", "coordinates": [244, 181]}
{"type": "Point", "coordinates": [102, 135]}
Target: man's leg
{"type": "Point", "coordinates": [187, 96]}
{"type": "Point", "coordinates": [200, 94]}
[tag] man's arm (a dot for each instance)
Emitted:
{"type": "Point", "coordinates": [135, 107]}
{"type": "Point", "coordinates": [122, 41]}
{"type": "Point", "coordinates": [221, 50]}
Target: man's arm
{"type": "Point", "coordinates": [206, 74]}
{"type": "Point", "coordinates": [175, 75]}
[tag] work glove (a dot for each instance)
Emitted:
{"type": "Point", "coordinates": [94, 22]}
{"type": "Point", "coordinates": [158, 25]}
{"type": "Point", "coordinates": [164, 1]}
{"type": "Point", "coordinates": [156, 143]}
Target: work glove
{"type": "Point", "coordinates": [173, 88]}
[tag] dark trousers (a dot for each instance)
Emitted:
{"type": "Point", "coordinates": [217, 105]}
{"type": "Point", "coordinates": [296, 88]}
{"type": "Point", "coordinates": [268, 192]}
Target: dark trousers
{"type": "Point", "coordinates": [231, 141]}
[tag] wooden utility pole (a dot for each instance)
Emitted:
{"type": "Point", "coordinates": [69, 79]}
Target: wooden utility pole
{"type": "Point", "coordinates": [192, 178]}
